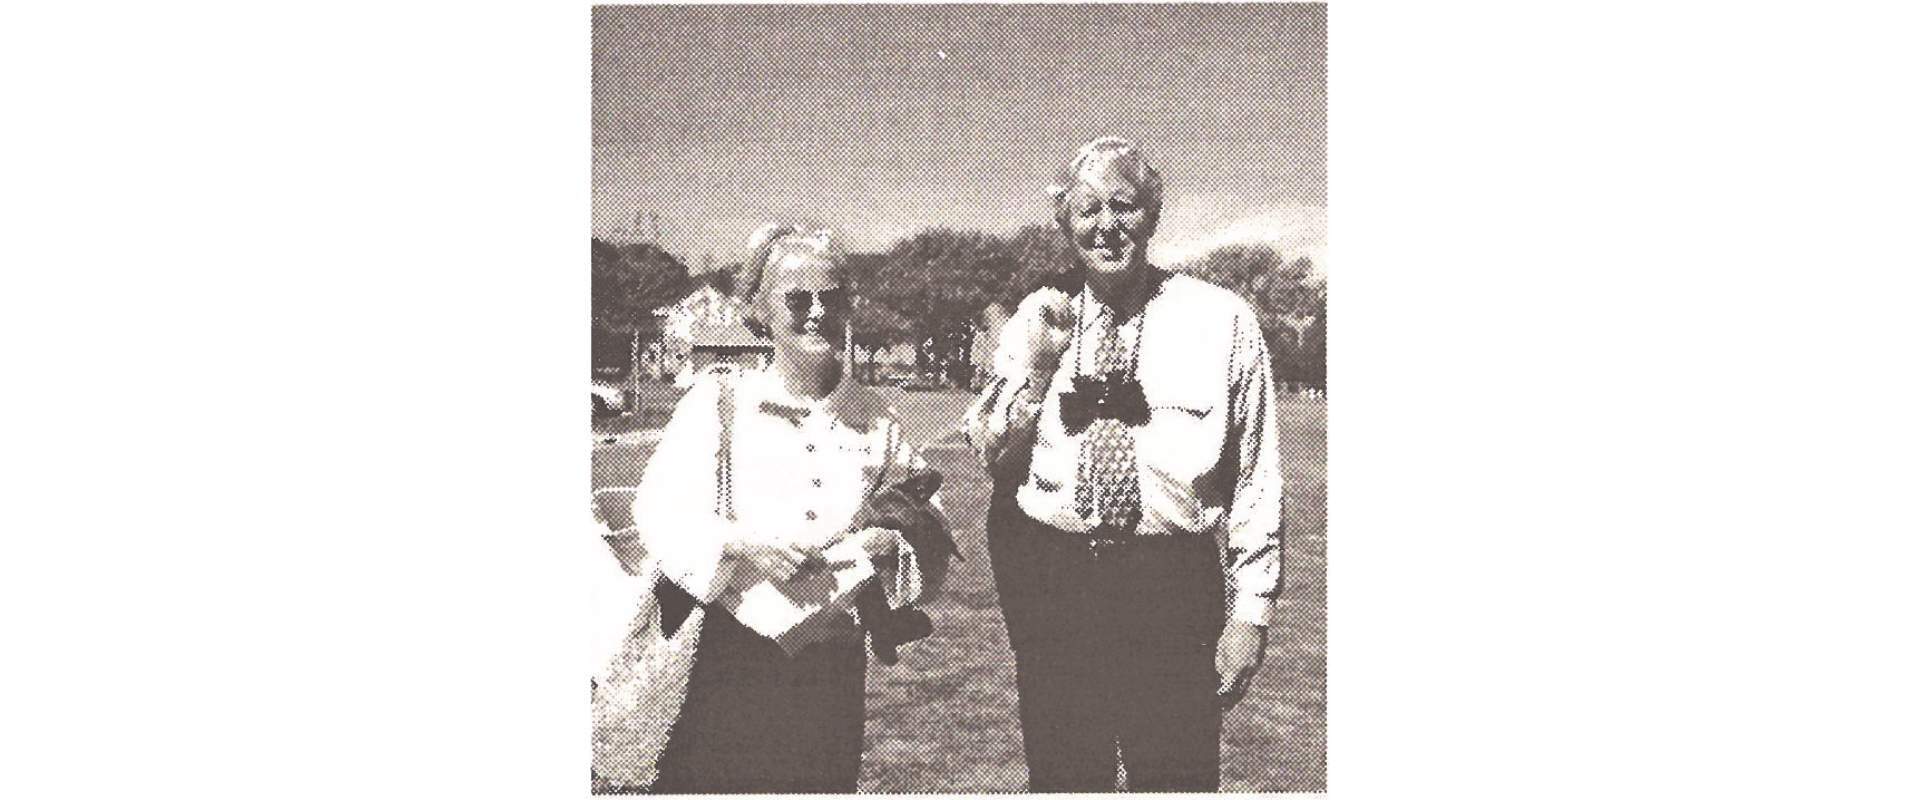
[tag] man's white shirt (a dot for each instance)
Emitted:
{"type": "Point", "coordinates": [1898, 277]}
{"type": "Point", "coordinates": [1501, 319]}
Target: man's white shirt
{"type": "Point", "coordinates": [1209, 456]}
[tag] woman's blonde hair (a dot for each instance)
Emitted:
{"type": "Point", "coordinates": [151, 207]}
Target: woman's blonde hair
{"type": "Point", "coordinates": [776, 240]}
{"type": "Point", "coordinates": [1132, 162]}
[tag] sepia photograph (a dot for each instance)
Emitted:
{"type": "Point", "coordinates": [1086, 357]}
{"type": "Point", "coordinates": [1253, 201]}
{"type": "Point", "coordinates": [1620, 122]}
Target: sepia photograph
{"type": "Point", "coordinates": [959, 398]}
{"type": "Point", "coordinates": [962, 399]}
{"type": "Point", "coordinates": [961, 407]}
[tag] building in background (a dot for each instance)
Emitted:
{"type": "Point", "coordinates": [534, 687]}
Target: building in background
{"type": "Point", "coordinates": [703, 330]}
{"type": "Point", "coordinates": [729, 342]}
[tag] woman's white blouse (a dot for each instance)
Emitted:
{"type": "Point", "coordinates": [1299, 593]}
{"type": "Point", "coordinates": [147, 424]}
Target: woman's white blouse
{"type": "Point", "coordinates": [801, 472]}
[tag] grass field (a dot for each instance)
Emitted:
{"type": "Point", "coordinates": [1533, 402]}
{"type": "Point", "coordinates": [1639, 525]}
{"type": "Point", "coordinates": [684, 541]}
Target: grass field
{"type": "Point", "coordinates": [944, 719]}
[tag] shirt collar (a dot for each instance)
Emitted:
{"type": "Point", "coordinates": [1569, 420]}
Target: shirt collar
{"type": "Point", "coordinates": [1142, 291]}
{"type": "Point", "coordinates": [774, 398]}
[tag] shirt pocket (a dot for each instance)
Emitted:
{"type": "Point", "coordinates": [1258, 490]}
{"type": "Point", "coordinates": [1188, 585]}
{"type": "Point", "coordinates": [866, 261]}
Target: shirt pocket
{"type": "Point", "coordinates": [1183, 436]}
{"type": "Point", "coordinates": [1193, 409]}
{"type": "Point", "coordinates": [1195, 395]}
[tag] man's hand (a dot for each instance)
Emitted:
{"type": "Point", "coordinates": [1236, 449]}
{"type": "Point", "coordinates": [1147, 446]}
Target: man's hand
{"type": "Point", "coordinates": [1035, 336]}
{"type": "Point", "coordinates": [1242, 645]}
{"type": "Point", "coordinates": [779, 562]}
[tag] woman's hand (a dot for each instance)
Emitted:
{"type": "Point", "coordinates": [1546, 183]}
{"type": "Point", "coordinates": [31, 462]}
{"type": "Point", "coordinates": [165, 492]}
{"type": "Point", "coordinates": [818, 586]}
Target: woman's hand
{"type": "Point", "coordinates": [776, 561]}
{"type": "Point", "coordinates": [877, 543]}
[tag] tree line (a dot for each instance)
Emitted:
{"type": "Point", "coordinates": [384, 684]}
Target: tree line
{"type": "Point", "coordinates": [933, 290]}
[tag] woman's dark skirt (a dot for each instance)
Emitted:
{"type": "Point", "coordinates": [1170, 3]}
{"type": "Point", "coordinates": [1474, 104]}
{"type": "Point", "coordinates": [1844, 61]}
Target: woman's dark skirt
{"type": "Point", "coordinates": [757, 721]}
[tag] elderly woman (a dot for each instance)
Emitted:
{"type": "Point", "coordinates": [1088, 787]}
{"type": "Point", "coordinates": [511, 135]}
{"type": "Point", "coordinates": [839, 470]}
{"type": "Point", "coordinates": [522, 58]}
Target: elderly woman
{"type": "Point", "coordinates": [753, 508]}
{"type": "Point", "coordinates": [1129, 426]}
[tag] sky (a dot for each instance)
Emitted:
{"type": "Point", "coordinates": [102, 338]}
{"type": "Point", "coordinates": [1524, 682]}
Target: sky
{"type": "Point", "coordinates": [878, 121]}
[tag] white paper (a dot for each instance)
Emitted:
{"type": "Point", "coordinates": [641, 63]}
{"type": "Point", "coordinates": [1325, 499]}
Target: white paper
{"type": "Point", "coordinates": [808, 608]}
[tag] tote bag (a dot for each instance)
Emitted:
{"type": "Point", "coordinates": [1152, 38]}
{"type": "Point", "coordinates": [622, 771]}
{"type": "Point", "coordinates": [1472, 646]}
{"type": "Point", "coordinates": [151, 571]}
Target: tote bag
{"type": "Point", "coordinates": [639, 695]}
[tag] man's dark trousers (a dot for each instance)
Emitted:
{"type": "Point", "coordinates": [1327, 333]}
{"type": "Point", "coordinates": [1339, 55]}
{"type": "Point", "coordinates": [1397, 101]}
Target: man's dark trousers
{"type": "Point", "coordinates": [1113, 647]}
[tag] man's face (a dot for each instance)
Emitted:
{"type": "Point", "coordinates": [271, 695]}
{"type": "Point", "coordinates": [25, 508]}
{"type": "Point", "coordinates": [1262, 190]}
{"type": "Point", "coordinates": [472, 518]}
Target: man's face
{"type": "Point", "coordinates": [1107, 221]}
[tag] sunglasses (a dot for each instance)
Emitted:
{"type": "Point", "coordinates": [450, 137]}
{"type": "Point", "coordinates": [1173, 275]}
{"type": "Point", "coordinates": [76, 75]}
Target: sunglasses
{"type": "Point", "coordinates": [800, 301]}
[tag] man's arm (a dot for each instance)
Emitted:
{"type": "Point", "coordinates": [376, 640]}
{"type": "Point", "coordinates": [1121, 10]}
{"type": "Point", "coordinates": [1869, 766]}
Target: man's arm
{"type": "Point", "coordinates": [1256, 519]}
{"type": "Point", "coordinates": [1000, 424]}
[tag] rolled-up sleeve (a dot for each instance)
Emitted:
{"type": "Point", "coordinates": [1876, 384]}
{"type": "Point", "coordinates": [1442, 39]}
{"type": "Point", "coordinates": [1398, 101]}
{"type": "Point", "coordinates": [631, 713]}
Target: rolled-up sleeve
{"type": "Point", "coordinates": [1000, 422]}
{"type": "Point", "coordinates": [673, 512]}
{"type": "Point", "coordinates": [1256, 520]}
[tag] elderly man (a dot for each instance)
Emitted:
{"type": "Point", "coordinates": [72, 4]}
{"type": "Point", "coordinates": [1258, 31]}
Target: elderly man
{"type": "Point", "coordinates": [1130, 429]}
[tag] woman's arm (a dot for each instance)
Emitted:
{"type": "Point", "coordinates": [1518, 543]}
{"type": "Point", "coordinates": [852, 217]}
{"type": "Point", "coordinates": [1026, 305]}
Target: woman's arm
{"type": "Point", "coordinates": [674, 510]}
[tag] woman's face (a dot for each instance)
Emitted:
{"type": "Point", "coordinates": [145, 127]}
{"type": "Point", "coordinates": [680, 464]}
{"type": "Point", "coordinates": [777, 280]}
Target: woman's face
{"type": "Point", "coordinates": [1107, 220]}
{"type": "Point", "coordinates": [807, 306]}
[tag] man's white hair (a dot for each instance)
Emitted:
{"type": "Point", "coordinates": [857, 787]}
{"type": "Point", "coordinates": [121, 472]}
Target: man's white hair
{"type": "Point", "coordinates": [1128, 156]}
